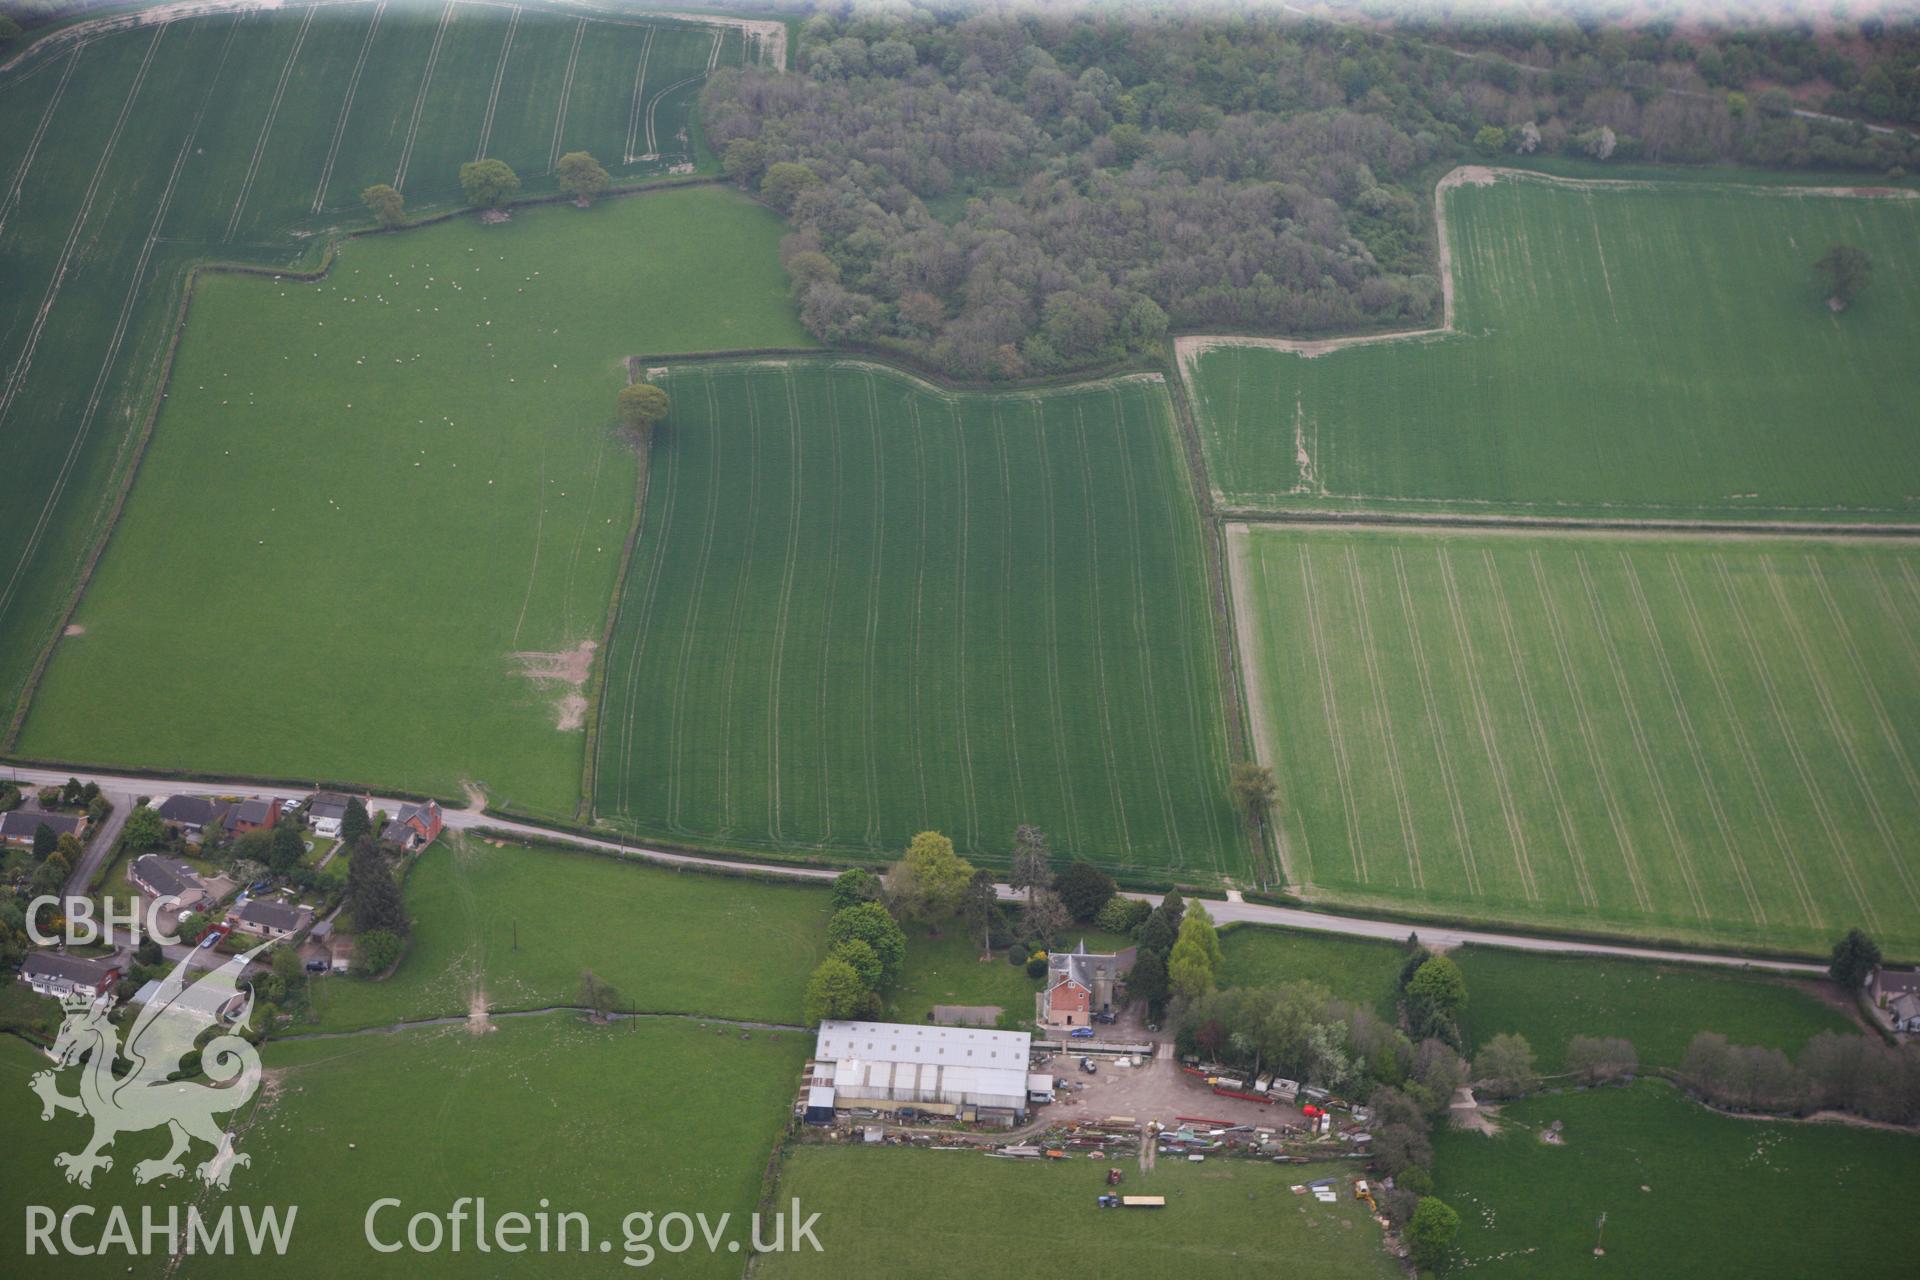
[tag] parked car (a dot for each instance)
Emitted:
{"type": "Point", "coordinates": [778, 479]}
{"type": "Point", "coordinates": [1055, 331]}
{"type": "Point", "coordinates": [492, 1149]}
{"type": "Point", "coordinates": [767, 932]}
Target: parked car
{"type": "Point", "coordinates": [1081, 1033]}
{"type": "Point", "coordinates": [1105, 1018]}
{"type": "Point", "coordinates": [259, 886]}
{"type": "Point", "coordinates": [317, 966]}
{"type": "Point", "coordinates": [1089, 1066]}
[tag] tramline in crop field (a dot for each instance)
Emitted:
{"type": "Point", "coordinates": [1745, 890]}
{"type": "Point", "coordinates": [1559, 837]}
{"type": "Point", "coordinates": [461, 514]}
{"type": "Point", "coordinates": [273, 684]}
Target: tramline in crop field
{"type": "Point", "coordinates": [1609, 356]}
{"type": "Point", "coordinates": [862, 607]}
{"type": "Point", "coordinates": [134, 147]}
{"type": "Point", "coordinates": [1696, 738]}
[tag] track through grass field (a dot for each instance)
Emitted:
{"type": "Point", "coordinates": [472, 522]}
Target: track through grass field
{"type": "Point", "coordinates": [1695, 738]}
{"type": "Point", "coordinates": [1609, 357]}
{"type": "Point", "coordinates": [862, 607]}
{"type": "Point", "coordinates": [376, 533]}
{"type": "Point", "coordinates": [131, 149]}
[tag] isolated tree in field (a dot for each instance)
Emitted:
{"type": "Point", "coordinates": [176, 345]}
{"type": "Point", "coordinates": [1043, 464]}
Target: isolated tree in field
{"type": "Point", "coordinates": [1085, 889]}
{"type": "Point", "coordinates": [1032, 859]}
{"type": "Point", "coordinates": [144, 828]}
{"type": "Point", "coordinates": [356, 823]}
{"type": "Point", "coordinates": [1854, 959]}
{"type": "Point", "coordinates": [1254, 791]}
{"type": "Point", "coordinates": [642, 407]}
{"type": "Point", "coordinates": [488, 183]}
{"type": "Point", "coordinates": [1843, 271]}
{"type": "Point", "coordinates": [600, 998]}
{"type": "Point", "coordinates": [581, 176]}
{"type": "Point", "coordinates": [854, 886]}
{"type": "Point", "coordinates": [386, 204]}
{"type": "Point", "coordinates": [1046, 916]}
{"type": "Point", "coordinates": [1504, 1066]}
{"type": "Point", "coordinates": [927, 884]}
{"type": "Point", "coordinates": [869, 922]}
{"type": "Point", "coordinates": [1430, 1233]}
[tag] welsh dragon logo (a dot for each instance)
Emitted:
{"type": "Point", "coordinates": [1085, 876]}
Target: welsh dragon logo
{"type": "Point", "coordinates": [143, 1098]}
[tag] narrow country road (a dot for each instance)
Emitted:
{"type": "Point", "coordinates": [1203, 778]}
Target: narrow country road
{"type": "Point", "coordinates": [100, 842]}
{"type": "Point", "coordinates": [123, 790]}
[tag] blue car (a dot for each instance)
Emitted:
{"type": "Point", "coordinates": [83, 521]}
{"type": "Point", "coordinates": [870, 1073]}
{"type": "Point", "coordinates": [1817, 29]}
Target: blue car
{"type": "Point", "coordinates": [1081, 1033]}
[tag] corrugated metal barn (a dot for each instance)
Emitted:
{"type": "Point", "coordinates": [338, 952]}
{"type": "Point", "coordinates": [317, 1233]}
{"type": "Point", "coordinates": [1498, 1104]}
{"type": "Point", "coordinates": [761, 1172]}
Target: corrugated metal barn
{"type": "Point", "coordinates": [947, 1070]}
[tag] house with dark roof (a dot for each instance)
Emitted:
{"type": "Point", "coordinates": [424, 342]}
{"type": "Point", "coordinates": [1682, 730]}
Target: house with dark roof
{"type": "Point", "coordinates": [191, 816]}
{"type": "Point", "coordinates": [325, 814]}
{"type": "Point", "coordinates": [1885, 985]}
{"type": "Point", "coordinates": [1080, 984]}
{"type": "Point", "coordinates": [159, 876]}
{"type": "Point", "coordinates": [418, 826]}
{"type": "Point", "coordinates": [253, 815]}
{"type": "Point", "coordinates": [56, 974]}
{"type": "Point", "coordinates": [267, 919]}
{"type": "Point", "coordinates": [18, 826]}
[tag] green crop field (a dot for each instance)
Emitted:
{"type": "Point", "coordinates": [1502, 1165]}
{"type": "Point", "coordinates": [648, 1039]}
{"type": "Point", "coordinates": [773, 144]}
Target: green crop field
{"type": "Point", "coordinates": [1686, 1192]}
{"type": "Point", "coordinates": [1696, 738]}
{"type": "Point", "coordinates": [593, 1119]}
{"type": "Point", "coordinates": [376, 532]}
{"type": "Point", "coordinates": [514, 927]}
{"type": "Point", "coordinates": [862, 607]}
{"type": "Point", "coordinates": [1610, 357]}
{"type": "Point", "coordinates": [1659, 1007]}
{"type": "Point", "coordinates": [130, 151]}
{"type": "Point", "coordinates": [1223, 1218]}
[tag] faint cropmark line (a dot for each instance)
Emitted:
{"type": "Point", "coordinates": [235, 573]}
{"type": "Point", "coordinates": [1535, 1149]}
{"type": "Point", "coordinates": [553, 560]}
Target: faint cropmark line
{"type": "Point", "coordinates": [162, 1035]}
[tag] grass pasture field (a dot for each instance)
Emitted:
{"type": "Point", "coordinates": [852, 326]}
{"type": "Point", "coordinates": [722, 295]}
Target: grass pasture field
{"type": "Point", "coordinates": [515, 927]}
{"type": "Point", "coordinates": [862, 607]}
{"type": "Point", "coordinates": [1695, 738]}
{"type": "Point", "coordinates": [130, 152]}
{"type": "Point", "coordinates": [1224, 1218]}
{"type": "Point", "coordinates": [377, 529]}
{"type": "Point", "coordinates": [1608, 359]}
{"type": "Point", "coordinates": [1659, 1007]}
{"type": "Point", "coordinates": [1686, 1192]}
{"type": "Point", "coordinates": [593, 1119]}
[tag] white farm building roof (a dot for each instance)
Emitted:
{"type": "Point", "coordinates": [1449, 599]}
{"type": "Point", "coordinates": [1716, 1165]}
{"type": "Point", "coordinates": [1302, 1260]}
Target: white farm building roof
{"type": "Point", "coordinates": [904, 1063]}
